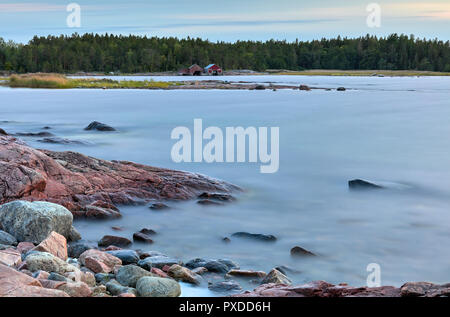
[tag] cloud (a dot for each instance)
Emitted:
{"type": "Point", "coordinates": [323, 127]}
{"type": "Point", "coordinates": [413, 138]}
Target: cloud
{"type": "Point", "coordinates": [29, 7]}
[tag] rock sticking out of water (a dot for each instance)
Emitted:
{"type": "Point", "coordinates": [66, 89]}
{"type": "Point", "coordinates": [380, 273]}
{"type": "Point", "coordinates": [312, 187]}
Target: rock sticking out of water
{"type": "Point", "coordinates": [300, 252]}
{"type": "Point", "coordinates": [57, 140]}
{"type": "Point", "coordinates": [3, 132]}
{"type": "Point", "coordinates": [108, 240]}
{"type": "Point", "coordinates": [38, 134]}
{"type": "Point", "coordinates": [217, 196]}
{"type": "Point", "coordinates": [362, 184]}
{"type": "Point", "coordinates": [95, 125]}
{"type": "Point", "coordinates": [255, 236]}
{"type": "Point", "coordinates": [209, 202]}
{"type": "Point", "coordinates": [144, 235]}
{"type": "Point", "coordinates": [158, 206]}
{"type": "Point", "coordinates": [276, 277]}
{"type": "Point", "coordinates": [260, 87]}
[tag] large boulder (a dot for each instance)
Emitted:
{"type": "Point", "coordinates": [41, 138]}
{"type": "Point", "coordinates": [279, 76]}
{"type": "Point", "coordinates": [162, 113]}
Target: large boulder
{"type": "Point", "coordinates": [34, 221]}
{"type": "Point", "coordinates": [157, 287]}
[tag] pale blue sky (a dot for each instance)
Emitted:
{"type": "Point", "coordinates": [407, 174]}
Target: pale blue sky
{"type": "Point", "coordinates": [226, 20]}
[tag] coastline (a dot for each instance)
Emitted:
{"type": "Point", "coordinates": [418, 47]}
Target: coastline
{"type": "Point", "coordinates": [53, 260]}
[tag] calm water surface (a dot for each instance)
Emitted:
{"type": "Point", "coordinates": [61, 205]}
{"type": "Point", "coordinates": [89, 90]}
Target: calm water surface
{"type": "Point", "coordinates": [392, 130]}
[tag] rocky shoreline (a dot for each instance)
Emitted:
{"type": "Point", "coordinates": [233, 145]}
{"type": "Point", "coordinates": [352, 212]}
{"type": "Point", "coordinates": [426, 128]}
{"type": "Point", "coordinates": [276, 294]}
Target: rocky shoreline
{"type": "Point", "coordinates": [92, 187]}
{"type": "Point", "coordinates": [43, 255]}
{"type": "Point", "coordinates": [63, 265]}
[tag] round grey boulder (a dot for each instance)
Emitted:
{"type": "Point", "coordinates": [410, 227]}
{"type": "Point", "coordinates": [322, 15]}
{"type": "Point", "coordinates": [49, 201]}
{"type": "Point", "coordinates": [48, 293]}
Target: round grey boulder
{"type": "Point", "coordinates": [128, 275]}
{"type": "Point", "coordinates": [43, 261]}
{"type": "Point", "coordinates": [34, 221]}
{"type": "Point", "coordinates": [157, 287]}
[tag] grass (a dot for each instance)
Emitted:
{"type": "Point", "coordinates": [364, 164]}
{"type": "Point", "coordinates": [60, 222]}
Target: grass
{"type": "Point", "coordinates": [327, 72]}
{"type": "Point", "coordinates": [58, 81]}
{"type": "Point", "coordinates": [38, 81]}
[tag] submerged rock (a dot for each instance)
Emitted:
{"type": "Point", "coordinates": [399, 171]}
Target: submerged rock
{"type": "Point", "coordinates": [247, 273]}
{"type": "Point", "coordinates": [158, 206]}
{"type": "Point", "coordinates": [108, 240]}
{"type": "Point", "coordinates": [225, 287]}
{"type": "Point", "coordinates": [95, 125]}
{"type": "Point", "coordinates": [33, 222]}
{"type": "Point", "coordinates": [216, 196]}
{"type": "Point", "coordinates": [38, 134]}
{"type": "Point", "coordinates": [300, 252]}
{"type": "Point", "coordinates": [255, 236]}
{"type": "Point", "coordinates": [209, 202]}
{"type": "Point", "coordinates": [56, 140]}
{"type": "Point", "coordinates": [362, 184]}
{"type": "Point", "coordinates": [77, 181]}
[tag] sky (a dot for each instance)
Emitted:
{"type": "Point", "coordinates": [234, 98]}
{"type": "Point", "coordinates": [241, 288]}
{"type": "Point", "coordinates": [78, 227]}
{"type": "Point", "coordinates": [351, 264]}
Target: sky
{"type": "Point", "coordinates": [226, 20]}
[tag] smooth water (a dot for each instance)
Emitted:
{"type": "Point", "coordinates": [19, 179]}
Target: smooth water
{"type": "Point", "coordinates": [383, 129]}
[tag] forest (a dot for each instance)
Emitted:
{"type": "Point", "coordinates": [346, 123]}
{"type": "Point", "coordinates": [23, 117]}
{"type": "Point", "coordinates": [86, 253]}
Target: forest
{"type": "Point", "coordinates": [139, 54]}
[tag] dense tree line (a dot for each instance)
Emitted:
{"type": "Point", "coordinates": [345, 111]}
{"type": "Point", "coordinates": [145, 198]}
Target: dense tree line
{"type": "Point", "coordinates": [131, 54]}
